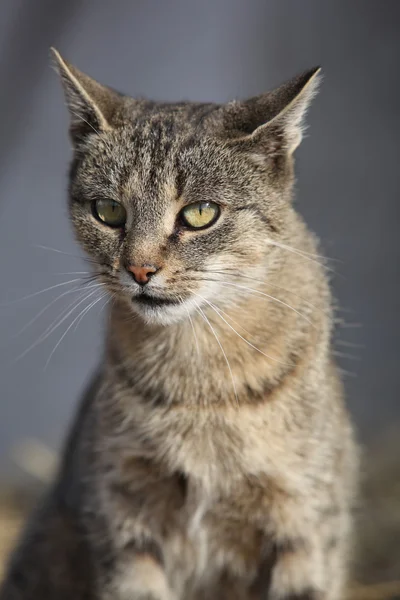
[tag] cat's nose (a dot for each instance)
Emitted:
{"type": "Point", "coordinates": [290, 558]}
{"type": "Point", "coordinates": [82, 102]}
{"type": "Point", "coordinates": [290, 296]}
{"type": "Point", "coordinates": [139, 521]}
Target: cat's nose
{"type": "Point", "coordinates": [141, 274]}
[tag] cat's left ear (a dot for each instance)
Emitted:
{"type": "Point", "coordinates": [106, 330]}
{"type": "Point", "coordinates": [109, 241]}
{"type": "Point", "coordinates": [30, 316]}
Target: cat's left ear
{"type": "Point", "coordinates": [92, 105]}
{"type": "Point", "coordinates": [272, 123]}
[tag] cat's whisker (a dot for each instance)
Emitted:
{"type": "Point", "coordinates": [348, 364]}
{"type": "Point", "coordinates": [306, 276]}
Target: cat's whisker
{"type": "Point", "coordinates": [218, 311]}
{"type": "Point", "coordinates": [104, 295]}
{"type": "Point", "coordinates": [63, 314]}
{"type": "Point", "coordinates": [78, 256]}
{"type": "Point", "coordinates": [81, 314]}
{"type": "Point", "coordinates": [74, 273]}
{"type": "Point", "coordinates": [277, 300]}
{"type": "Point", "coordinates": [39, 314]}
{"type": "Point", "coordinates": [349, 344]}
{"type": "Point", "coordinates": [65, 310]}
{"type": "Point", "coordinates": [222, 350]}
{"type": "Point", "coordinates": [346, 373]}
{"type": "Point", "coordinates": [53, 326]}
{"type": "Point", "coordinates": [193, 329]}
{"type": "Point", "coordinates": [48, 289]}
{"type": "Point", "coordinates": [313, 255]}
{"type": "Point", "coordinates": [345, 355]}
{"type": "Point", "coordinates": [110, 297]}
{"type": "Point", "coordinates": [300, 253]}
{"type": "Point", "coordinates": [279, 287]}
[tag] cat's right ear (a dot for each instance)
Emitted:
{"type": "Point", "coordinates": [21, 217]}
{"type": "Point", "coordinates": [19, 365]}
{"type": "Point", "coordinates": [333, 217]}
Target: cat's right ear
{"type": "Point", "coordinates": [91, 105]}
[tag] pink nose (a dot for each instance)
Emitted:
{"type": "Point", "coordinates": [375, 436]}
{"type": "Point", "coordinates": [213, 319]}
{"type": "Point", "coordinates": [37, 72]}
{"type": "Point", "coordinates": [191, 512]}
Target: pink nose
{"type": "Point", "coordinates": [142, 274]}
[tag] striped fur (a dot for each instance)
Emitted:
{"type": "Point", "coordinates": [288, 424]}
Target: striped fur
{"type": "Point", "coordinates": [185, 477]}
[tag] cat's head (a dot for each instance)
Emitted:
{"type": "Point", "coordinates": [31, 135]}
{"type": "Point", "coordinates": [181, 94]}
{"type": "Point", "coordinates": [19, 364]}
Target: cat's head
{"type": "Point", "coordinates": [178, 203]}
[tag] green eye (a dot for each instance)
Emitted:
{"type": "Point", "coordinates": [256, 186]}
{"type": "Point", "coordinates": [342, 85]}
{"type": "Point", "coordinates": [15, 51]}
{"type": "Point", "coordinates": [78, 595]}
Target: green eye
{"type": "Point", "coordinates": [110, 212]}
{"type": "Point", "coordinates": [200, 215]}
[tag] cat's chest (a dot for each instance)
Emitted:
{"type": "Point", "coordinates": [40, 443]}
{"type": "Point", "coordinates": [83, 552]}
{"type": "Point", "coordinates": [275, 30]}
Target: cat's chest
{"type": "Point", "coordinates": [224, 529]}
{"type": "Point", "coordinates": [216, 447]}
{"type": "Point", "coordinates": [228, 469]}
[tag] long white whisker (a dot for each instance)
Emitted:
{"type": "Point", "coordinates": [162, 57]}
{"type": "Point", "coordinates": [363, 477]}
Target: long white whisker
{"type": "Point", "coordinates": [194, 331]}
{"type": "Point", "coordinates": [306, 256]}
{"type": "Point", "coordinates": [222, 350]}
{"type": "Point", "coordinates": [345, 355]}
{"type": "Point", "coordinates": [75, 289]}
{"type": "Point", "coordinates": [52, 287]}
{"type": "Point", "coordinates": [73, 273]}
{"type": "Point", "coordinates": [304, 252]}
{"type": "Point", "coordinates": [85, 258]}
{"type": "Point", "coordinates": [110, 297]}
{"type": "Point", "coordinates": [279, 287]}
{"type": "Point", "coordinates": [84, 311]}
{"type": "Point", "coordinates": [349, 344]}
{"type": "Point", "coordinates": [52, 327]}
{"type": "Point", "coordinates": [218, 311]}
{"type": "Point", "coordinates": [255, 291]}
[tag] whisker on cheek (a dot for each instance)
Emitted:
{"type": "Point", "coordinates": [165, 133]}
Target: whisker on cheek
{"type": "Point", "coordinates": [199, 310]}
{"type": "Point", "coordinates": [80, 257]}
{"type": "Point", "coordinates": [193, 329]}
{"type": "Point", "coordinates": [57, 322]}
{"type": "Point", "coordinates": [43, 310]}
{"type": "Point", "coordinates": [77, 319]}
{"type": "Point", "coordinates": [219, 313]}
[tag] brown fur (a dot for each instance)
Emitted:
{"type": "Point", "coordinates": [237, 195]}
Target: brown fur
{"type": "Point", "coordinates": [213, 457]}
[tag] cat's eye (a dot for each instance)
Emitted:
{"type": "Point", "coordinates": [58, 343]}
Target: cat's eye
{"type": "Point", "coordinates": [200, 215]}
{"type": "Point", "coordinates": [109, 212]}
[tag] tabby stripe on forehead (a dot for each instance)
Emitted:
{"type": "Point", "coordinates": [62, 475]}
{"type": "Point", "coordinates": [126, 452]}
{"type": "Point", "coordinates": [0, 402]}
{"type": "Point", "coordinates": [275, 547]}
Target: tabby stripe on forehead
{"type": "Point", "coordinates": [157, 154]}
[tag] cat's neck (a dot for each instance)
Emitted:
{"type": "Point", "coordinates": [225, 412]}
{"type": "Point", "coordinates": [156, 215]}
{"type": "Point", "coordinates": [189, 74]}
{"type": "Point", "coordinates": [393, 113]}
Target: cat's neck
{"type": "Point", "coordinates": [246, 349]}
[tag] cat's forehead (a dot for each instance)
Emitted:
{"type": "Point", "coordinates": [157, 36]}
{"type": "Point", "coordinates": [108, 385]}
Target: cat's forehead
{"type": "Point", "coordinates": [157, 154]}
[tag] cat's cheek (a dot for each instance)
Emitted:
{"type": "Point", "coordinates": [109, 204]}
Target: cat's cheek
{"type": "Point", "coordinates": [102, 243]}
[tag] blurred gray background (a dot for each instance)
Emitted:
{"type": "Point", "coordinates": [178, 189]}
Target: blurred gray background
{"type": "Point", "coordinates": [348, 172]}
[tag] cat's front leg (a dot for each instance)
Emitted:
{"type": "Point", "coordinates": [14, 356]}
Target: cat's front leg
{"type": "Point", "coordinates": [311, 559]}
{"type": "Point", "coordinates": [298, 572]}
{"type": "Point", "coordinates": [138, 511]}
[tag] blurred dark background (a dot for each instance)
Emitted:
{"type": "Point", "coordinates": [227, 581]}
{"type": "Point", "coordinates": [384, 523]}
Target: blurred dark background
{"type": "Point", "coordinates": [218, 50]}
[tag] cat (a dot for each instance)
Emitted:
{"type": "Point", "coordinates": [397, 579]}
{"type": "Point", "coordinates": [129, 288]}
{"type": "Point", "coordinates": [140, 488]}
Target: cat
{"type": "Point", "coordinates": [213, 456]}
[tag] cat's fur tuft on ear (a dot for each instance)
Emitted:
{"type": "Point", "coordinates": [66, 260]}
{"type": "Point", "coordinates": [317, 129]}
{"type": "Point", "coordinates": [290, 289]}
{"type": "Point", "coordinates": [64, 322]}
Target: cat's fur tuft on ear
{"type": "Point", "coordinates": [91, 105]}
{"type": "Point", "coordinates": [274, 121]}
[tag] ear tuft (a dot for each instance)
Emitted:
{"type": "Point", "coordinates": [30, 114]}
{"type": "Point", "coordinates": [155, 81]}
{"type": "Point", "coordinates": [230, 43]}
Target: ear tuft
{"type": "Point", "coordinates": [274, 120]}
{"type": "Point", "coordinates": [91, 105]}
{"type": "Point", "coordinates": [300, 93]}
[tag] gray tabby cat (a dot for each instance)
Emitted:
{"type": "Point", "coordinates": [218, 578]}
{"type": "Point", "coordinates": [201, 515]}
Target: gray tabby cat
{"type": "Point", "coordinates": [213, 457]}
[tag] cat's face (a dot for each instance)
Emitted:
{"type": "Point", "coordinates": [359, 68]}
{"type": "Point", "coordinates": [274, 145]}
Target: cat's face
{"type": "Point", "coordinates": [170, 223]}
{"type": "Point", "coordinates": [178, 205]}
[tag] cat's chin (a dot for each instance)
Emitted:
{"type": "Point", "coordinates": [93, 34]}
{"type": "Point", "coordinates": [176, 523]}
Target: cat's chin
{"type": "Point", "coordinates": [162, 313]}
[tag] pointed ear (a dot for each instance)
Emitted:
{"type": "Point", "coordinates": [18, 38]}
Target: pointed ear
{"type": "Point", "coordinates": [273, 123]}
{"type": "Point", "coordinates": [92, 106]}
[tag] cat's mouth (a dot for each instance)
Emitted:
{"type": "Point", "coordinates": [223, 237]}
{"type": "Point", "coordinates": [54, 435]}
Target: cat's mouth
{"type": "Point", "coordinates": [154, 301]}
{"type": "Point", "coordinates": [162, 310]}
